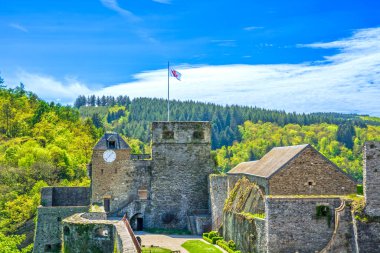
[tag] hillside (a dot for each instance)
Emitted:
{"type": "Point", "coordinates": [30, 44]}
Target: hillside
{"type": "Point", "coordinates": [241, 133]}
{"type": "Point", "coordinates": [40, 144]}
{"type": "Point", "coordinates": [133, 117]}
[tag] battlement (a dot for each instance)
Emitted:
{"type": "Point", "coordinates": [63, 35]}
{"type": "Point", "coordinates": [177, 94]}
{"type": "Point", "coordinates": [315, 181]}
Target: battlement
{"type": "Point", "coordinates": [197, 132]}
{"type": "Point", "coordinates": [65, 196]}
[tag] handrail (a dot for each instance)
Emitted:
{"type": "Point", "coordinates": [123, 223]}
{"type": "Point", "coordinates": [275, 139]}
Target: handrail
{"type": "Point", "coordinates": [134, 239]}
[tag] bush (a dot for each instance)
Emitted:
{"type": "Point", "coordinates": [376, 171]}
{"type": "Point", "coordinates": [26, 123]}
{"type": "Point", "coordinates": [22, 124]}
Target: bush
{"type": "Point", "coordinates": [225, 245]}
{"type": "Point", "coordinates": [215, 239]}
{"type": "Point", "coordinates": [207, 239]}
{"type": "Point", "coordinates": [232, 245]}
{"type": "Point", "coordinates": [213, 234]}
{"type": "Point", "coordinates": [205, 235]}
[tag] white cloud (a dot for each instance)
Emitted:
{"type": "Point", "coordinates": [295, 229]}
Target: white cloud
{"type": "Point", "coordinates": [348, 81]}
{"type": "Point", "coordinates": [18, 27]}
{"type": "Point", "coordinates": [49, 88]}
{"type": "Point", "coordinates": [114, 5]}
{"type": "Point", "coordinates": [162, 1]}
{"type": "Point", "coordinates": [251, 28]}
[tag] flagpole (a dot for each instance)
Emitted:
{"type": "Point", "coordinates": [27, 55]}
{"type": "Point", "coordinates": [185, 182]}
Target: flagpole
{"type": "Point", "coordinates": [168, 95]}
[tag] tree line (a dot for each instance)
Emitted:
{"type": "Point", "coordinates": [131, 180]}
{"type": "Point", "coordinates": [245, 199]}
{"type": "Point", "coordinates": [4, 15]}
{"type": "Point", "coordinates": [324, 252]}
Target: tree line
{"type": "Point", "coordinates": [224, 119]}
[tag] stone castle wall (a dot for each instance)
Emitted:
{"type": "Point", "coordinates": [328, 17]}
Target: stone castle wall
{"type": "Point", "coordinates": [65, 196]}
{"type": "Point", "coordinates": [311, 174]}
{"type": "Point", "coordinates": [92, 232]}
{"type": "Point", "coordinates": [120, 180]}
{"type": "Point", "coordinates": [293, 225]}
{"type": "Point", "coordinates": [181, 164]}
{"type": "Point", "coordinates": [371, 178]}
{"type": "Point", "coordinates": [218, 195]}
{"type": "Point", "coordinates": [49, 227]}
{"type": "Point", "coordinates": [240, 224]}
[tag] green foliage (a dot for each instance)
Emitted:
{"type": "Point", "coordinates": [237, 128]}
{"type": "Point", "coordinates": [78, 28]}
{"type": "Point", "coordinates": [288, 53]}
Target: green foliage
{"type": "Point", "coordinates": [259, 138]}
{"type": "Point", "coordinates": [360, 189]}
{"type": "Point", "coordinates": [252, 216]}
{"type": "Point", "coordinates": [215, 239]}
{"type": "Point", "coordinates": [41, 144]}
{"type": "Point", "coordinates": [213, 234]}
{"type": "Point", "coordinates": [198, 246]}
{"type": "Point", "coordinates": [167, 231]}
{"type": "Point", "coordinates": [10, 244]}
{"type": "Point", "coordinates": [155, 250]}
{"type": "Point", "coordinates": [227, 246]}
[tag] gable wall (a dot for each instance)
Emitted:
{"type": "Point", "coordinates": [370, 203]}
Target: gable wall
{"type": "Point", "coordinates": [310, 166]}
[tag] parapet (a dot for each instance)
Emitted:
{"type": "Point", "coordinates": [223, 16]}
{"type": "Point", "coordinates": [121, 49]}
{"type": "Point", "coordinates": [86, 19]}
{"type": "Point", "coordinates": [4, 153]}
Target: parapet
{"type": "Point", "coordinates": [178, 132]}
{"type": "Point", "coordinates": [65, 196]}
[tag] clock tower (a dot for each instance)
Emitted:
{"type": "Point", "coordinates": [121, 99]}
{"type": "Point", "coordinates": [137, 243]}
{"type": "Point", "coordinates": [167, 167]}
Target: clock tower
{"type": "Point", "coordinates": [110, 162]}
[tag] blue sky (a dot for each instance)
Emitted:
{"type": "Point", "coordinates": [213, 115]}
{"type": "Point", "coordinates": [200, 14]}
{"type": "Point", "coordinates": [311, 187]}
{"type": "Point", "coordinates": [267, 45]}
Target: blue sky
{"type": "Point", "coordinates": [293, 55]}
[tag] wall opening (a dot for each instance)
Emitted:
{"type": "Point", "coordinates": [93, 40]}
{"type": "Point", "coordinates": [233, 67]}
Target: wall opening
{"type": "Point", "coordinates": [101, 171]}
{"type": "Point", "coordinates": [142, 193]}
{"type": "Point", "coordinates": [107, 204]}
{"type": "Point", "coordinates": [167, 135]}
{"type": "Point", "coordinates": [137, 222]}
{"type": "Point", "coordinates": [112, 144]}
{"type": "Point", "coordinates": [102, 233]}
{"type": "Point", "coordinates": [198, 135]}
{"type": "Point", "coordinates": [66, 230]}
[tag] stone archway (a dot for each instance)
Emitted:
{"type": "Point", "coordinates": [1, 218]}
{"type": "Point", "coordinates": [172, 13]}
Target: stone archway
{"type": "Point", "coordinates": [137, 222]}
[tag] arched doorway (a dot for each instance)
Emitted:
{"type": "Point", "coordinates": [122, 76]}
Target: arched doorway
{"type": "Point", "coordinates": [137, 222]}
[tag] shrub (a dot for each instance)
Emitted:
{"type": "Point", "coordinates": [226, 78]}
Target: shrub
{"type": "Point", "coordinates": [232, 245]}
{"type": "Point", "coordinates": [215, 239]}
{"type": "Point", "coordinates": [205, 235]}
{"type": "Point", "coordinates": [225, 245]}
{"type": "Point", "coordinates": [207, 239]}
{"type": "Point", "coordinates": [213, 234]}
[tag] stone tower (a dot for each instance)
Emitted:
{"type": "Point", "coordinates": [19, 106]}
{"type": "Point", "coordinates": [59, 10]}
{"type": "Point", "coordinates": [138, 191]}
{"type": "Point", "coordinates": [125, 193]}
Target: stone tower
{"type": "Point", "coordinates": [109, 165]}
{"type": "Point", "coordinates": [371, 178]}
{"type": "Point", "coordinates": [181, 164]}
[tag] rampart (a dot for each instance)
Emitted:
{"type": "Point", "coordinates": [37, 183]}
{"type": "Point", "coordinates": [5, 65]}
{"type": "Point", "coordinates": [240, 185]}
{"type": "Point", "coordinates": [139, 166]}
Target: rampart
{"type": "Point", "coordinates": [89, 232]}
{"type": "Point", "coordinates": [299, 224]}
{"type": "Point", "coordinates": [218, 195]}
{"type": "Point", "coordinates": [57, 203]}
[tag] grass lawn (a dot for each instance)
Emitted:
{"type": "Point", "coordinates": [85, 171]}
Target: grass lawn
{"type": "Point", "coordinates": [155, 250]}
{"type": "Point", "coordinates": [197, 246]}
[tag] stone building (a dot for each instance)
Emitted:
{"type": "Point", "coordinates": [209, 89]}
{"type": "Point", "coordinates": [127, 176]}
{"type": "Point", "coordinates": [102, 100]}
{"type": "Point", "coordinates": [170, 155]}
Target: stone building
{"type": "Point", "coordinates": [295, 200]}
{"type": "Point", "coordinates": [296, 170]}
{"type": "Point", "coordinates": [167, 189]}
{"type": "Point", "coordinates": [291, 200]}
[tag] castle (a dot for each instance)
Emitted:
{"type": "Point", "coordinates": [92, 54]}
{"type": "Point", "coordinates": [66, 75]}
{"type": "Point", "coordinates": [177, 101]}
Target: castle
{"type": "Point", "coordinates": [291, 200]}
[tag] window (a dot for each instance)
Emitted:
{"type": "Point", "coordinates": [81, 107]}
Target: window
{"type": "Point", "coordinates": [167, 135]}
{"type": "Point", "coordinates": [66, 230]}
{"type": "Point", "coordinates": [143, 193]}
{"type": "Point", "coordinates": [112, 144]}
{"type": "Point", "coordinates": [310, 183]}
{"type": "Point", "coordinates": [101, 171]}
{"type": "Point", "coordinates": [198, 135]}
{"type": "Point", "coordinates": [59, 219]}
{"type": "Point", "coordinates": [115, 171]}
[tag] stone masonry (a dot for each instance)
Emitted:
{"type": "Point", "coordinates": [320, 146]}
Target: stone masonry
{"type": "Point", "coordinates": [181, 162]}
{"type": "Point", "coordinates": [371, 178]}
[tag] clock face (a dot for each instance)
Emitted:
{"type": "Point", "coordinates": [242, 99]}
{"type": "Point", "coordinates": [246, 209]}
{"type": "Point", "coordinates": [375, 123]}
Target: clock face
{"type": "Point", "coordinates": [109, 156]}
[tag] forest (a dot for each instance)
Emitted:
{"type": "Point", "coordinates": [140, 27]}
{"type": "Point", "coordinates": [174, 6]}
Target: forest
{"type": "Point", "coordinates": [46, 144]}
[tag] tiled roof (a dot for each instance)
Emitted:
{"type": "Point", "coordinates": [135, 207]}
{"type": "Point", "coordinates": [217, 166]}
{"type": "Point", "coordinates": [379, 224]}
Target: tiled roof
{"type": "Point", "coordinates": [119, 142]}
{"type": "Point", "coordinates": [273, 161]}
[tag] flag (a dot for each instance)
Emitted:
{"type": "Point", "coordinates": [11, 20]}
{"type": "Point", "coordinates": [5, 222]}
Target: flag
{"type": "Point", "coordinates": [175, 74]}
